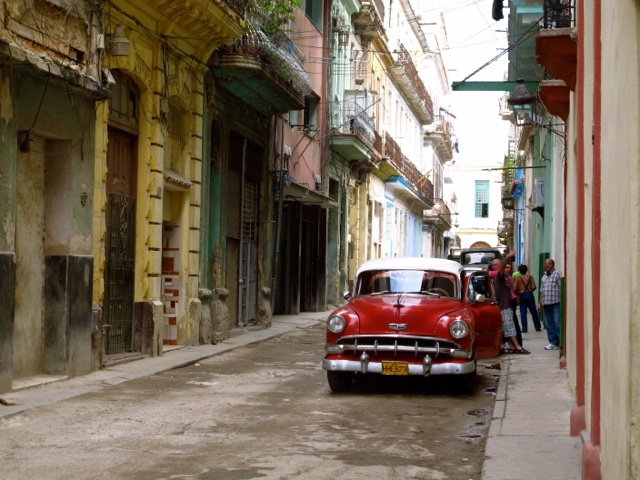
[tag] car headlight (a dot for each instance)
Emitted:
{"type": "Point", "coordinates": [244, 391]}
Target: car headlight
{"type": "Point", "coordinates": [336, 324]}
{"type": "Point", "coordinates": [458, 329]}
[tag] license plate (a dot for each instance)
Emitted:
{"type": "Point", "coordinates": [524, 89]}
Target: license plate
{"type": "Point", "coordinates": [395, 368]}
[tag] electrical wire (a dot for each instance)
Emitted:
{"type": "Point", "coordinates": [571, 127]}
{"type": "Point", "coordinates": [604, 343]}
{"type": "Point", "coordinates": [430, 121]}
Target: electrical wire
{"type": "Point", "coordinates": [522, 39]}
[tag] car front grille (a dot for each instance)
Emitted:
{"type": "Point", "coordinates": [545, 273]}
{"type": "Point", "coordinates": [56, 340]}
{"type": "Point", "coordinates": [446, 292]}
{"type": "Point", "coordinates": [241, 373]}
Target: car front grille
{"type": "Point", "coordinates": [397, 345]}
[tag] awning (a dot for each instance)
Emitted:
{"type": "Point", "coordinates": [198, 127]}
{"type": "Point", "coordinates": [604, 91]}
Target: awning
{"type": "Point", "coordinates": [516, 189]}
{"type": "Point", "coordinates": [299, 192]}
{"type": "Point", "coordinates": [176, 181]}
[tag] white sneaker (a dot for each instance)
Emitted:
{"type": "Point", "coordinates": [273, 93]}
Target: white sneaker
{"type": "Point", "coordinates": [551, 346]}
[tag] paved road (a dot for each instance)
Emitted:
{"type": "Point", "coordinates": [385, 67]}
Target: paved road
{"type": "Point", "coordinates": [259, 411]}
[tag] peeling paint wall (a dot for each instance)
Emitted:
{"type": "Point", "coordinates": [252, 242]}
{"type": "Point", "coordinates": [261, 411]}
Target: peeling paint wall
{"type": "Point", "coordinates": [28, 353]}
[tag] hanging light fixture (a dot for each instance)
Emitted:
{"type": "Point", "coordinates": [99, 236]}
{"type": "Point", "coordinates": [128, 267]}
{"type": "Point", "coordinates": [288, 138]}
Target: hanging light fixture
{"type": "Point", "coordinates": [343, 38]}
{"type": "Point", "coordinates": [522, 101]}
{"type": "Point", "coordinates": [119, 44]}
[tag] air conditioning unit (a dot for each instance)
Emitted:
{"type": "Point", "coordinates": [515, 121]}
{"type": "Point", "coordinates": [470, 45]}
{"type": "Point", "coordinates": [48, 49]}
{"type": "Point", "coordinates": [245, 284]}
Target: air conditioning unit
{"type": "Point", "coordinates": [538, 193]}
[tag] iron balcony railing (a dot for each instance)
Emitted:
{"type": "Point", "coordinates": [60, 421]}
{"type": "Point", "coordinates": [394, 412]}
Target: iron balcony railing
{"type": "Point", "coordinates": [238, 6]}
{"type": "Point", "coordinates": [441, 130]}
{"type": "Point", "coordinates": [439, 215]}
{"type": "Point", "coordinates": [505, 229]}
{"type": "Point", "coordinates": [441, 125]}
{"type": "Point", "coordinates": [379, 6]}
{"type": "Point", "coordinates": [353, 119]}
{"type": "Point", "coordinates": [559, 14]}
{"type": "Point", "coordinates": [406, 167]}
{"type": "Point", "coordinates": [406, 62]}
{"type": "Point", "coordinates": [275, 51]}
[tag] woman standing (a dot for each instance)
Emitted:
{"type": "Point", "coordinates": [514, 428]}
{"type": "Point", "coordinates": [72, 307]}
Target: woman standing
{"type": "Point", "coordinates": [524, 287]}
{"type": "Point", "coordinates": [514, 301]}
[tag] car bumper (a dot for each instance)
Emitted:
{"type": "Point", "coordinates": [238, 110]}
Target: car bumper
{"type": "Point", "coordinates": [425, 369]}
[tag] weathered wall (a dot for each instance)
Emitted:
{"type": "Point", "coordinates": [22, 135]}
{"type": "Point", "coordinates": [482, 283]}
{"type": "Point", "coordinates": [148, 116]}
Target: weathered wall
{"type": "Point", "coordinates": [28, 350]}
{"type": "Point", "coordinates": [619, 332]}
{"type": "Point", "coordinates": [50, 192]}
{"type": "Point", "coordinates": [7, 307]}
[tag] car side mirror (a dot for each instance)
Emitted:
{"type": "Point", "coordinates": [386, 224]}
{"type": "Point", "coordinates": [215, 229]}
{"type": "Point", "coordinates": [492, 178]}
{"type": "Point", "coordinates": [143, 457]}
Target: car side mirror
{"type": "Point", "coordinates": [480, 298]}
{"type": "Point", "coordinates": [346, 295]}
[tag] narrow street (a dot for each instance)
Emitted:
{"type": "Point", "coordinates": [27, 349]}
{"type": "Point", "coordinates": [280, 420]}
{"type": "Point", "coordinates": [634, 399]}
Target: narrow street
{"type": "Point", "coordinates": [260, 411]}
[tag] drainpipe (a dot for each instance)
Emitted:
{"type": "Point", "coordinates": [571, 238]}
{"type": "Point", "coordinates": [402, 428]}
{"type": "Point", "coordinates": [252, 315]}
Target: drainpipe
{"type": "Point", "coordinates": [280, 180]}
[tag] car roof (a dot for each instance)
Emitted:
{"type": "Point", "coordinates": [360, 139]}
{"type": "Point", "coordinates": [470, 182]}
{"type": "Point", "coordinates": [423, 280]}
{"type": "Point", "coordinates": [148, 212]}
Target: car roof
{"type": "Point", "coordinates": [412, 263]}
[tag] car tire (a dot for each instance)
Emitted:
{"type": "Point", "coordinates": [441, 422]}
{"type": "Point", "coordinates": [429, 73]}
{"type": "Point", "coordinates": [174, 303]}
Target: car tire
{"type": "Point", "coordinates": [339, 382]}
{"type": "Point", "coordinates": [464, 383]}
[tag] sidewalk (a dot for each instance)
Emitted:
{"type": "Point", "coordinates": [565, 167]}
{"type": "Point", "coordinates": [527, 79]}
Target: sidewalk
{"type": "Point", "coordinates": [529, 433]}
{"type": "Point", "coordinates": [47, 390]}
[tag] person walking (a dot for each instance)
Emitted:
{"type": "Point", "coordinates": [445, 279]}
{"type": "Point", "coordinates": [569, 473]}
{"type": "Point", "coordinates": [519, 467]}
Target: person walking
{"type": "Point", "coordinates": [549, 300]}
{"type": "Point", "coordinates": [524, 286]}
{"type": "Point", "coordinates": [503, 296]}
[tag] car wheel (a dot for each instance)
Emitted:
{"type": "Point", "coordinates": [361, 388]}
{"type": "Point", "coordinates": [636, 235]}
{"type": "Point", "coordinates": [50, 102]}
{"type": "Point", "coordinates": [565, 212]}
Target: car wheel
{"type": "Point", "coordinates": [464, 383]}
{"type": "Point", "coordinates": [339, 382]}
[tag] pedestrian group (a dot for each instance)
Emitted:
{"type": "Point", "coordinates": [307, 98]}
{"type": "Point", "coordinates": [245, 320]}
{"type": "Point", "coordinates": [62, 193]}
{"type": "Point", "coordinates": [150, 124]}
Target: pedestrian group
{"type": "Point", "coordinates": [511, 290]}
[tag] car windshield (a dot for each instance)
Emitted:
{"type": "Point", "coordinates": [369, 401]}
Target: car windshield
{"type": "Point", "coordinates": [478, 258]}
{"type": "Point", "coordinates": [407, 281]}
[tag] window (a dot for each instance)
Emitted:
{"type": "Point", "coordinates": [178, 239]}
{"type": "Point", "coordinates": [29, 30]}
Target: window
{"type": "Point", "coordinates": [313, 9]}
{"type": "Point", "coordinates": [482, 199]}
{"type": "Point", "coordinates": [295, 117]}
{"type": "Point", "coordinates": [311, 115]}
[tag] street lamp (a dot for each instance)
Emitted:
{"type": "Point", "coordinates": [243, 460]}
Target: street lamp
{"type": "Point", "coordinates": [522, 101]}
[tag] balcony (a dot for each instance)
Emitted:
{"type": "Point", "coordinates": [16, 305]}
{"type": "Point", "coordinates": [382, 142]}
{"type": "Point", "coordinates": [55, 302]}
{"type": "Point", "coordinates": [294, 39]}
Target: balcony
{"type": "Point", "coordinates": [555, 96]}
{"type": "Point", "coordinates": [202, 18]}
{"type": "Point", "coordinates": [266, 72]}
{"type": "Point", "coordinates": [238, 6]}
{"type": "Point", "coordinates": [407, 180]}
{"type": "Point", "coordinates": [505, 229]}
{"type": "Point", "coordinates": [404, 74]}
{"type": "Point", "coordinates": [439, 134]}
{"type": "Point", "coordinates": [439, 215]}
{"type": "Point", "coordinates": [368, 23]}
{"type": "Point", "coordinates": [556, 44]}
{"type": "Point", "coordinates": [353, 133]}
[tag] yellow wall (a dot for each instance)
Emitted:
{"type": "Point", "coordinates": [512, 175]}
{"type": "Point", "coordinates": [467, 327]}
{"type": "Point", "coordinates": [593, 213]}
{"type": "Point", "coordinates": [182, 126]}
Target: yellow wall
{"type": "Point", "coordinates": [164, 71]}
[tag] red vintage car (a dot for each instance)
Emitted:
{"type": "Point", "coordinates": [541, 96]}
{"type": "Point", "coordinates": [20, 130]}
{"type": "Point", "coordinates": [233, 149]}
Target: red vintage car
{"type": "Point", "coordinates": [413, 316]}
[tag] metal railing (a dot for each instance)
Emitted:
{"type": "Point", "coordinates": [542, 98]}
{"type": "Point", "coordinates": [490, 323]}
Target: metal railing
{"type": "Point", "coordinates": [559, 14]}
{"type": "Point", "coordinates": [505, 228]}
{"type": "Point", "coordinates": [406, 167]}
{"type": "Point", "coordinates": [238, 6]}
{"type": "Point", "coordinates": [353, 119]}
{"type": "Point", "coordinates": [378, 5]}
{"type": "Point", "coordinates": [439, 214]}
{"type": "Point", "coordinates": [275, 51]}
{"type": "Point", "coordinates": [440, 125]}
{"type": "Point", "coordinates": [406, 62]}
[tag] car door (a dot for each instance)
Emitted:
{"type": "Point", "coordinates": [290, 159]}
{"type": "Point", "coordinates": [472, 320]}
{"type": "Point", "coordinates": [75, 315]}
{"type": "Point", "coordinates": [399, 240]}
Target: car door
{"type": "Point", "coordinates": [480, 299]}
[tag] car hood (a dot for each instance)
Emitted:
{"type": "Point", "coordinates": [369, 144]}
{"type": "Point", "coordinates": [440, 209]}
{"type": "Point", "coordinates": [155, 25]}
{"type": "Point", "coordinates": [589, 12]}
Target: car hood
{"type": "Point", "coordinates": [419, 314]}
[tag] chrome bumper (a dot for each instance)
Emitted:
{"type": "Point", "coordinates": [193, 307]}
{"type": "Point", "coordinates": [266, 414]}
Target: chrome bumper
{"type": "Point", "coordinates": [427, 368]}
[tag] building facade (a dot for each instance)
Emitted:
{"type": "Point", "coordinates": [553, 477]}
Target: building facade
{"type": "Point", "coordinates": [49, 73]}
{"type": "Point", "coordinates": [176, 172]}
{"type": "Point", "coordinates": [585, 137]}
{"type": "Point", "coordinates": [149, 163]}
